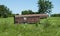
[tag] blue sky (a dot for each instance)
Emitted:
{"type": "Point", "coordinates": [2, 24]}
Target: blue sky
{"type": "Point", "coordinates": [16, 6]}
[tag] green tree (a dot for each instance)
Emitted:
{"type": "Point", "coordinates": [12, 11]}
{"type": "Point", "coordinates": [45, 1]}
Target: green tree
{"type": "Point", "coordinates": [4, 11]}
{"type": "Point", "coordinates": [45, 6]}
{"type": "Point", "coordinates": [27, 12]}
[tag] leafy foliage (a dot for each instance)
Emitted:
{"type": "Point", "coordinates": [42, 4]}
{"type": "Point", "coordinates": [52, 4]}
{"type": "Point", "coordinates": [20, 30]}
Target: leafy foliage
{"type": "Point", "coordinates": [27, 12]}
{"type": "Point", "coordinates": [45, 6]}
{"type": "Point", "coordinates": [4, 11]}
{"type": "Point", "coordinates": [55, 15]}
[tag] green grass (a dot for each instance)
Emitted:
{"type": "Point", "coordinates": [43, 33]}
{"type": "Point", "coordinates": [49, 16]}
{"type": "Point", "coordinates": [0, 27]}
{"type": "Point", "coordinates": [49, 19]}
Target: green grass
{"type": "Point", "coordinates": [8, 28]}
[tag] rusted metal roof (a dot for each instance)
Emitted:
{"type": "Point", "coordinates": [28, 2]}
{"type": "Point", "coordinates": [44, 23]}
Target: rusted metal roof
{"type": "Point", "coordinates": [29, 15]}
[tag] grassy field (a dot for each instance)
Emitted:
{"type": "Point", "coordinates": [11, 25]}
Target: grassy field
{"type": "Point", "coordinates": [48, 27]}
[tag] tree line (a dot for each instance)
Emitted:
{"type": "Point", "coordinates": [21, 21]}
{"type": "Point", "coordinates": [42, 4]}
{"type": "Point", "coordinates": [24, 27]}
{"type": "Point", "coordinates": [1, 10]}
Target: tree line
{"type": "Point", "coordinates": [4, 11]}
{"type": "Point", "coordinates": [44, 6]}
{"type": "Point", "coordinates": [55, 15]}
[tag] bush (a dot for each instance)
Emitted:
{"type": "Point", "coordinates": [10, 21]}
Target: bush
{"type": "Point", "coordinates": [5, 16]}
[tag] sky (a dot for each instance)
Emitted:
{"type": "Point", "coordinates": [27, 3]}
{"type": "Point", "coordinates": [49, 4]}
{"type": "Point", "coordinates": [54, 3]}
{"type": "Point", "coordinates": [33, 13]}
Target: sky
{"type": "Point", "coordinates": [17, 6]}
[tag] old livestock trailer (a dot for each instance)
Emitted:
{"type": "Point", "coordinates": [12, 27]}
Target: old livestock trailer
{"type": "Point", "coordinates": [31, 18]}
